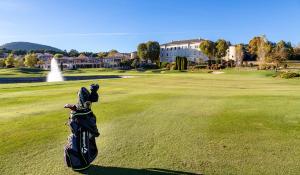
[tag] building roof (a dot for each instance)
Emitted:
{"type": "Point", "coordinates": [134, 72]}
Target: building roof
{"type": "Point", "coordinates": [190, 41]}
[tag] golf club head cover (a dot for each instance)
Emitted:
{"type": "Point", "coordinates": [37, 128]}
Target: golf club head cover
{"type": "Point", "coordinates": [94, 95]}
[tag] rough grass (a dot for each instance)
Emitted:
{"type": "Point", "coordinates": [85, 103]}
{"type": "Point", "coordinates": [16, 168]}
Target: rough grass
{"type": "Point", "coordinates": [240, 122]}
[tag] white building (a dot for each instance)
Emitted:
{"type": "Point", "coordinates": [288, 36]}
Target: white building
{"type": "Point", "coordinates": [184, 48]}
{"type": "Point", "coordinates": [74, 62]}
{"type": "Point", "coordinates": [83, 61]}
{"type": "Point", "coordinates": [133, 55]}
{"type": "Point", "coordinates": [231, 54]}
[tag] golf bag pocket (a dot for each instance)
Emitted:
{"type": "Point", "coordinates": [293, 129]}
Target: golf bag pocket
{"type": "Point", "coordinates": [80, 150]}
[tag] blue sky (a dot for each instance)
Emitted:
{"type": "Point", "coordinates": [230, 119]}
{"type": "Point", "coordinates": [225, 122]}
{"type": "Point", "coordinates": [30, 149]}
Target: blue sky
{"type": "Point", "coordinates": [100, 25]}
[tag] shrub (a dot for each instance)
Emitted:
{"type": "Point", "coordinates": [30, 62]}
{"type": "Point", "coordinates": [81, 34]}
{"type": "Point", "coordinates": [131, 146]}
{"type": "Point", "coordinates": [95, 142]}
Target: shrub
{"type": "Point", "coordinates": [164, 64]}
{"type": "Point", "coordinates": [149, 66]}
{"type": "Point", "coordinates": [201, 66]}
{"type": "Point", "coordinates": [168, 67]}
{"type": "Point", "coordinates": [173, 66]}
{"type": "Point", "coordinates": [288, 75]}
{"type": "Point", "coordinates": [181, 63]}
{"type": "Point", "coordinates": [2, 63]}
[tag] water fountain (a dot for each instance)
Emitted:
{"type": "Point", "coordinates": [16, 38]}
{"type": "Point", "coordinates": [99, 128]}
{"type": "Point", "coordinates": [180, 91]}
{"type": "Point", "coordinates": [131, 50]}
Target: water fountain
{"type": "Point", "coordinates": [54, 74]}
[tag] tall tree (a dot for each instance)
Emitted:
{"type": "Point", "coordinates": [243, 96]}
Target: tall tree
{"type": "Point", "coordinates": [221, 48]}
{"type": "Point", "coordinates": [260, 47]}
{"type": "Point", "coordinates": [281, 52]}
{"type": "Point", "coordinates": [239, 52]}
{"type": "Point", "coordinates": [2, 62]}
{"type": "Point", "coordinates": [153, 48]}
{"type": "Point", "coordinates": [296, 53]}
{"type": "Point", "coordinates": [30, 60]}
{"type": "Point", "coordinates": [73, 53]}
{"type": "Point", "coordinates": [112, 53]}
{"type": "Point", "coordinates": [142, 51]}
{"type": "Point", "coordinates": [208, 48]}
{"type": "Point", "coordinates": [10, 61]}
{"type": "Point", "coordinates": [102, 54]}
{"type": "Point", "coordinates": [19, 62]}
{"type": "Point", "coordinates": [58, 55]}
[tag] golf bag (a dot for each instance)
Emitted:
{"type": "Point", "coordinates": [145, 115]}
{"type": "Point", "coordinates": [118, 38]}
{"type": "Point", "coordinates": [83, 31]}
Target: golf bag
{"type": "Point", "coordinates": [81, 148]}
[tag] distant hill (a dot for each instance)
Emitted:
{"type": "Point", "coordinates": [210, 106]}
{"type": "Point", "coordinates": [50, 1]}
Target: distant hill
{"type": "Point", "coordinates": [28, 46]}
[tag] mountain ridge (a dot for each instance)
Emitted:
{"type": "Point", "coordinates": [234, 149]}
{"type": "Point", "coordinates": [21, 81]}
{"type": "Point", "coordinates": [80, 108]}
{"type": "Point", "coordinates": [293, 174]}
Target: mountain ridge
{"type": "Point", "coordinates": [22, 45]}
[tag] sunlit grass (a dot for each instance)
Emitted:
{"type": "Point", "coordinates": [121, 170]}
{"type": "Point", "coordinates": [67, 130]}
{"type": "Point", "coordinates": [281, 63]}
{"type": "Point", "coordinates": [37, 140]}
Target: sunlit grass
{"type": "Point", "coordinates": [239, 122]}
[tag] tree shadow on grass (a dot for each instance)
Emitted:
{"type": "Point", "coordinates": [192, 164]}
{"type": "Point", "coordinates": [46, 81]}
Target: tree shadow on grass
{"type": "Point", "coordinates": [30, 70]}
{"type": "Point", "coordinates": [102, 170]}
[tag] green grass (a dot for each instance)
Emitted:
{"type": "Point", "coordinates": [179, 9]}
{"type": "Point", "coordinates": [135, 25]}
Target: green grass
{"type": "Point", "coordinates": [239, 122]}
{"type": "Point", "coordinates": [35, 72]}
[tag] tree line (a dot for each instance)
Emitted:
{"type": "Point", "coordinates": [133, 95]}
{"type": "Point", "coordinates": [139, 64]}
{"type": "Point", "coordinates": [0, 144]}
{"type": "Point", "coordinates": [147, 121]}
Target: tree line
{"type": "Point", "coordinates": [29, 60]}
{"type": "Point", "coordinates": [21, 58]}
{"type": "Point", "coordinates": [259, 48]}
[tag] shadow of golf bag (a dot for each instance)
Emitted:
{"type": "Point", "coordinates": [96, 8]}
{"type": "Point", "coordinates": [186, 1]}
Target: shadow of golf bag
{"type": "Point", "coordinates": [81, 148]}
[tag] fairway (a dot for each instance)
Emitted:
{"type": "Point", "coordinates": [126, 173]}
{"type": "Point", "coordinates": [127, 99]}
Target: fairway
{"type": "Point", "coordinates": [239, 122]}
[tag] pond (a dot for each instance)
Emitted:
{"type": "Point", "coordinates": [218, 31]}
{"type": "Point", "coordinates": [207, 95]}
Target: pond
{"type": "Point", "coordinates": [4, 80]}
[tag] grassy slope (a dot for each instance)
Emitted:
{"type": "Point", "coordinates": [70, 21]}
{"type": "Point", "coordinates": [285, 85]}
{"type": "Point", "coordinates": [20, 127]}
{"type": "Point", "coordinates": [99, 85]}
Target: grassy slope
{"type": "Point", "coordinates": [245, 123]}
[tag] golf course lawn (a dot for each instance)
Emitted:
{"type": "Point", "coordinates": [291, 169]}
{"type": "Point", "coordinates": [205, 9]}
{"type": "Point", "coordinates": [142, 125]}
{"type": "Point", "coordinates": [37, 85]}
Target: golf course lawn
{"type": "Point", "coordinates": [239, 122]}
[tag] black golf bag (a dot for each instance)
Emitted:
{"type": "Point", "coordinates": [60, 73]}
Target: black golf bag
{"type": "Point", "coordinates": [81, 148]}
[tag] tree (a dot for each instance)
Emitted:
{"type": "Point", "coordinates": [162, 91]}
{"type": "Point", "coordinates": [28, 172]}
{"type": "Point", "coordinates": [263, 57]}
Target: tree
{"type": "Point", "coordinates": [112, 53]}
{"type": "Point", "coordinates": [102, 54]}
{"type": "Point", "coordinates": [153, 48]}
{"type": "Point", "coordinates": [73, 53]}
{"type": "Point", "coordinates": [82, 55]}
{"type": "Point", "coordinates": [296, 53]}
{"type": "Point", "coordinates": [10, 61]}
{"type": "Point", "coordinates": [253, 45]}
{"type": "Point", "coordinates": [58, 55]}
{"type": "Point", "coordinates": [19, 52]}
{"type": "Point", "coordinates": [142, 51]}
{"type": "Point", "coordinates": [19, 62]}
{"type": "Point", "coordinates": [149, 51]}
{"type": "Point", "coordinates": [239, 52]}
{"type": "Point", "coordinates": [260, 47]}
{"type": "Point", "coordinates": [281, 52]}
{"type": "Point", "coordinates": [135, 63]}
{"type": "Point", "coordinates": [183, 63]}
{"type": "Point", "coordinates": [40, 63]}
{"type": "Point", "coordinates": [176, 63]}
{"type": "Point", "coordinates": [221, 48]}
{"type": "Point", "coordinates": [2, 62]}
{"type": "Point", "coordinates": [30, 60]}
{"type": "Point", "coordinates": [180, 63]}
{"type": "Point", "coordinates": [208, 48]}
{"type": "Point", "coordinates": [88, 54]}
